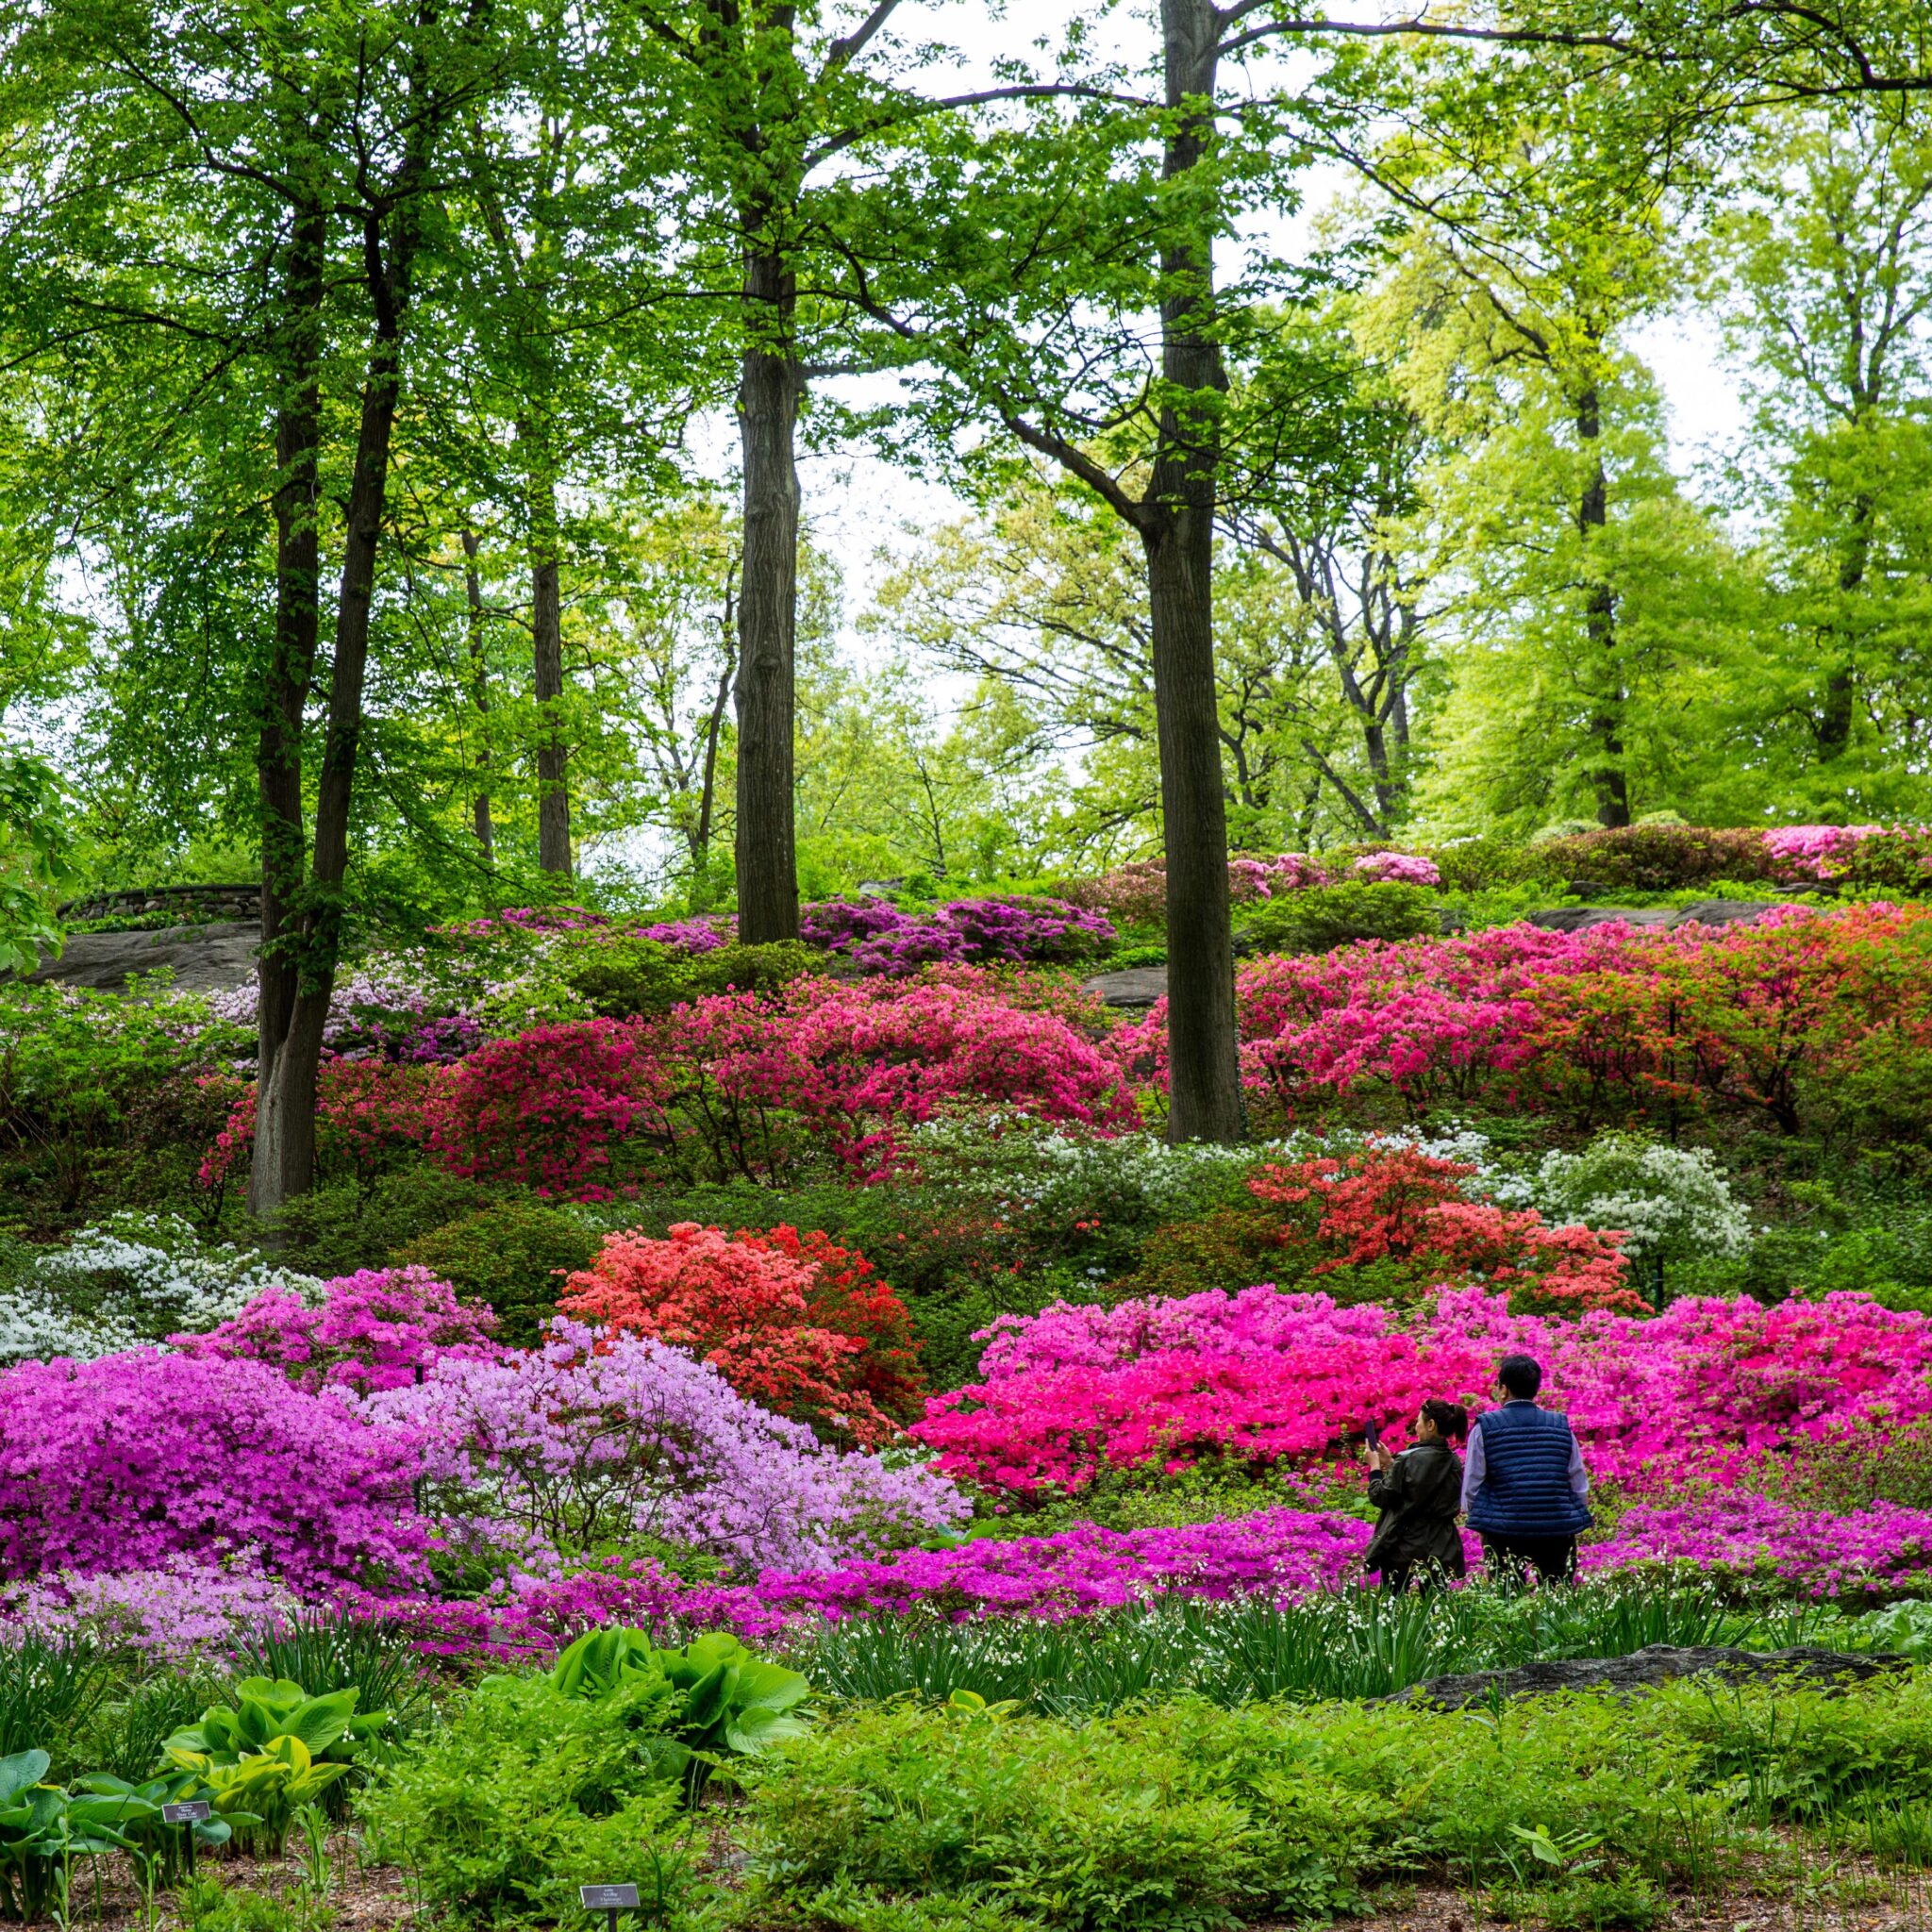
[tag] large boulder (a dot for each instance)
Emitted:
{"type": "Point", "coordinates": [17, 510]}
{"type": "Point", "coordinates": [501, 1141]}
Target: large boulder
{"type": "Point", "coordinates": [203, 958]}
{"type": "Point", "coordinates": [1660, 1663]}
{"type": "Point", "coordinates": [1132, 989]}
{"type": "Point", "coordinates": [1581, 918]}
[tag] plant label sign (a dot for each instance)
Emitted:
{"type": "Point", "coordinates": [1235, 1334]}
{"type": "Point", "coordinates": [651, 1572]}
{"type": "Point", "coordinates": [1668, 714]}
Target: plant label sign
{"type": "Point", "coordinates": [188, 1811]}
{"type": "Point", "coordinates": [608, 1898]}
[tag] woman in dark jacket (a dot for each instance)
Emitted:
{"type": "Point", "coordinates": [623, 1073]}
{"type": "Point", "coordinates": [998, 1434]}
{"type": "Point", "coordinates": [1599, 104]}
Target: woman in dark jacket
{"type": "Point", "coordinates": [1418, 1494]}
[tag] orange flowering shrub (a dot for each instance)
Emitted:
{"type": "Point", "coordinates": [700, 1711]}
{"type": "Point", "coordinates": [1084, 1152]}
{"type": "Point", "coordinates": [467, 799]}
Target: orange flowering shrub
{"type": "Point", "coordinates": [791, 1320]}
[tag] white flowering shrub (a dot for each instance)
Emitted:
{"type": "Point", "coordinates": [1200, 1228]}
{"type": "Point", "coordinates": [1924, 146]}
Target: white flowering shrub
{"type": "Point", "coordinates": [140, 1278]}
{"type": "Point", "coordinates": [1674, 1204]}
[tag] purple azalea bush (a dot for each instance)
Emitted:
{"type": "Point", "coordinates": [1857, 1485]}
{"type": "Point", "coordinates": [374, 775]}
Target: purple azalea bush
{"type": "Point", "coordinates": [133, 1460]}
{"type": "Point", "coordinates": [880, 938]}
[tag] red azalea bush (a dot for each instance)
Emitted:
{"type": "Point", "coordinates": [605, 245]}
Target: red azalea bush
{"type": "Point", "coordinates": [1694, 1394]}
{"type": "Point", "coordinates": [1397, 1204]}
{"type": "Point", "coordinates": [792, 1321]}
{"type": "Point", "coordinates": [546, 1108]}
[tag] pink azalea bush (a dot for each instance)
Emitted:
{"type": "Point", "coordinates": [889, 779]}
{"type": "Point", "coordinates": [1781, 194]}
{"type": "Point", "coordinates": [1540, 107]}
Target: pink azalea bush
{"type": "Point", "coordinates": [1815, 851]}
{"type": "Point", "coordinates": [599, 1436]}
{"type": "Point", "coordinates": [1269, 1377]}
{"type": "Point", "coordinates": [132, 1461]}
{"type": "Point", "coordinates": [378, 1328]}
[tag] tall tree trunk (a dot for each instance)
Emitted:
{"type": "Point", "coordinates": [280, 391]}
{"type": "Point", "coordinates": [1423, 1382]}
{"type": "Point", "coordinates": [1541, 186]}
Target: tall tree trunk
{"type": "Point", "coordinates": [291, 664]}
{"type": "Point", "coordinates": [546, 629]}
{"type": "Point", "coordinates": [480, 693]}
{"type": "Point", "coordinates": [1609, 776]}
{"type": "Point", "coordinates": [284, 1155]}
{"type": "Point", "coordinates": [1206, 1103]}
{"type": "Point", "coordinates": [770, 384]}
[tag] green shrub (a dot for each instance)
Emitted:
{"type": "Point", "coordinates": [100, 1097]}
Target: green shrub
{"type": "Point", "coordinates": [341, 1225]}
{"type": "Point", "coordinates": [1654, 857]}
{"type": "Point", "coordinates": [207, 1904]}
{"type": "Point", "coordinates": [1324, 917]}
{"type": "Point", "coordinates": [527, 1792]}
{"type": "Point", "coordinates": [621, 978]}
{"type": "Point", "coordinates": [512, 1256]}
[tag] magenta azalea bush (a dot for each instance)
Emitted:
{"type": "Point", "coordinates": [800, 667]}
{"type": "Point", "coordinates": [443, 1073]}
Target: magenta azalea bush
{"type": "Point", "coordinates": [379, 1328]}
{"type": "Point", "coordinates": [132, 1461]}
{"type": "Point", "coordinates": [881, 938]}
{"type": "Point", "coordinates": [1271, 1378]}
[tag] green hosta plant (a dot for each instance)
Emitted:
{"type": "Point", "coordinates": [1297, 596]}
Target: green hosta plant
{"type": "Point", "coordinates": [160, 1847]}
{"type": "Point", "coordinates": [729, 1701]}
{"type": "Point", "coordinates": [264, 1708]}
{"type": "Point", "coordinates": [44, 1829]}
{"type": "Point", "coordinates": [264, 1788]}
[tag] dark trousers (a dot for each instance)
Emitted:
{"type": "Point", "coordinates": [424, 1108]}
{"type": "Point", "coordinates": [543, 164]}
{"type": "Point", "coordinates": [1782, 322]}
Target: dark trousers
{"type": "Point", "coordinates": [1554, 1557]}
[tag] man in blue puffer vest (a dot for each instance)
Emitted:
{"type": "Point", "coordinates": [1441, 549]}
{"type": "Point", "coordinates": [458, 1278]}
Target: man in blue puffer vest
{"type": "Point", "coordinates": [1523, 1480]}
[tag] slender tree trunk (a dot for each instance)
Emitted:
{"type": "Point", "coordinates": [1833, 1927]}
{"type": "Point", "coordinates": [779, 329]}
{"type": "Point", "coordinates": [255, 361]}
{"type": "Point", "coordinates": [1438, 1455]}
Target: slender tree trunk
{"type": "Point", "coordinates": [480, 693]}
{"type": "Point", "coordinates": [770, 387]}
{"type": "Point", "coordinates": [707, 788]}
{"type": "Point", "coordinates": [1178, 536]}
{"type": "Point", "coordinates": [546, 629]}
{"type": "Point", "coordinates": [284, 1155]}
{"type": "Point", "coordinates": [1609, 776]}
{"type": "Point", "coordinates": [292, 666]}
{"type": "Point", "coordinates": [1840, 679]}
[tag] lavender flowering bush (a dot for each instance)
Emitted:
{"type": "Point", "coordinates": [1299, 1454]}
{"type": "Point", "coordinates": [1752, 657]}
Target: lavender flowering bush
{"type": "Point", "coordinates": [596, 1437]}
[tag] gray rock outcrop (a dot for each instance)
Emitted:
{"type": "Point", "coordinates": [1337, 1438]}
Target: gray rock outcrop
{"type": "Point", "coordinates": [1660, 1663]}
{"type": "Point", "coordinates": [204, 958]}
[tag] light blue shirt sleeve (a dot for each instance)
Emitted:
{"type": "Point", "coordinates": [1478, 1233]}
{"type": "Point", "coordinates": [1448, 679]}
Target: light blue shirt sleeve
{"type": "Point", "coordinates": [1474, 1466]}
{"type": "Point", "coordinates": [1579, 1476]}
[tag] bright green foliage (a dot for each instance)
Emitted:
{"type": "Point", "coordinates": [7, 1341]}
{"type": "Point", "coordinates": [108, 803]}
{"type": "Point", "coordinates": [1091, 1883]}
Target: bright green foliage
{"type": "Point", "coordinates": [1184, 1815]}
{"type": "Point", "coordinates": [512, 1257]}
{"type": "Point", "coordinates": [503, 1811]}
{"type": "Point", "coordinates": [1320, 918]}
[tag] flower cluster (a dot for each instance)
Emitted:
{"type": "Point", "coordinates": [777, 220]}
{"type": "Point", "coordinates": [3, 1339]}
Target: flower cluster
{"type": "Point", "coordinates": [378, 1328]}
{"type": "Point", "coordinates": [1694, 1392]}
{"type": "Point", "coordinates": [1815, 851]}
{"type": "Point", "coordinates": [1668, 1201]}
{"type": "Point", "coordinates": [792, 1321]}
{"type": "Point", "coordinates": [881, 938]}
{"type": "Point", "coordinates": [132, 1461]}
{"type": "Point", "coordinates": [598, 1435]}
{"type": "Point", "coordinates": [1396, 1203]}
{"type": "Point", "coordinates": [135, 1280]}
{"type": "Point", "coordinates": [182, 1610]}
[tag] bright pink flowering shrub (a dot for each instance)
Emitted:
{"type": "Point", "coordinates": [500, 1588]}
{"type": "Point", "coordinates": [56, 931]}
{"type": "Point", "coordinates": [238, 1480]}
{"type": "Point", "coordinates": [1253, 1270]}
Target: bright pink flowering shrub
{"type": "Point", "coordinates": [1814, 852]}
{"type": "Point", "coordinates": [856, 1061]}
{"type": "Point", "coordinates": [134, 1459]}
{"type": "Point", "coordinates": [1694, 1392]}
{"type": "Point", "coordinates": [1760, 1018]}
{"type": "Point", "coordinates": [378, 1328]}
{"type": "Point", "coordinates": [1403, 868]}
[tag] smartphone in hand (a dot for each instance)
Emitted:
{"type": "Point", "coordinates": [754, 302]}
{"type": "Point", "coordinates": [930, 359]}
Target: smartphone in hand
{"type": "Point", "coordinates": [1372, 1431]}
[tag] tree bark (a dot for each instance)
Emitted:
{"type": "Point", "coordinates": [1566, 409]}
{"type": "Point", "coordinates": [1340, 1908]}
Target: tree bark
{"type": "Point", "coordinates": [1179, 536]}
{"type": "Point", "coordinates": [770, 385]}
{"type": "Point", "coordinates": [284, 1155]}
{"type": "Point", "coordinates": [292, 663]}
{"type": "Point", "coordinates": [546, 629]}
{"type": "Point", "coordinates": [479, 691]}
{"type": "Point", "coordinates": [1608, 775]}
{"type": "Point", "coordinates": [1833, 732]}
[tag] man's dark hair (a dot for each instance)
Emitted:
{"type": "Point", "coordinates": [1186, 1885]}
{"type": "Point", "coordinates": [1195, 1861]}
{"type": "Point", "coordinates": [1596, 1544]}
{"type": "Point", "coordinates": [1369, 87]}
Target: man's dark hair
{"type": "Point", "coordinates": [1521, 1375]}
{"type": "Point", "coordinates": [1450, 1418]}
